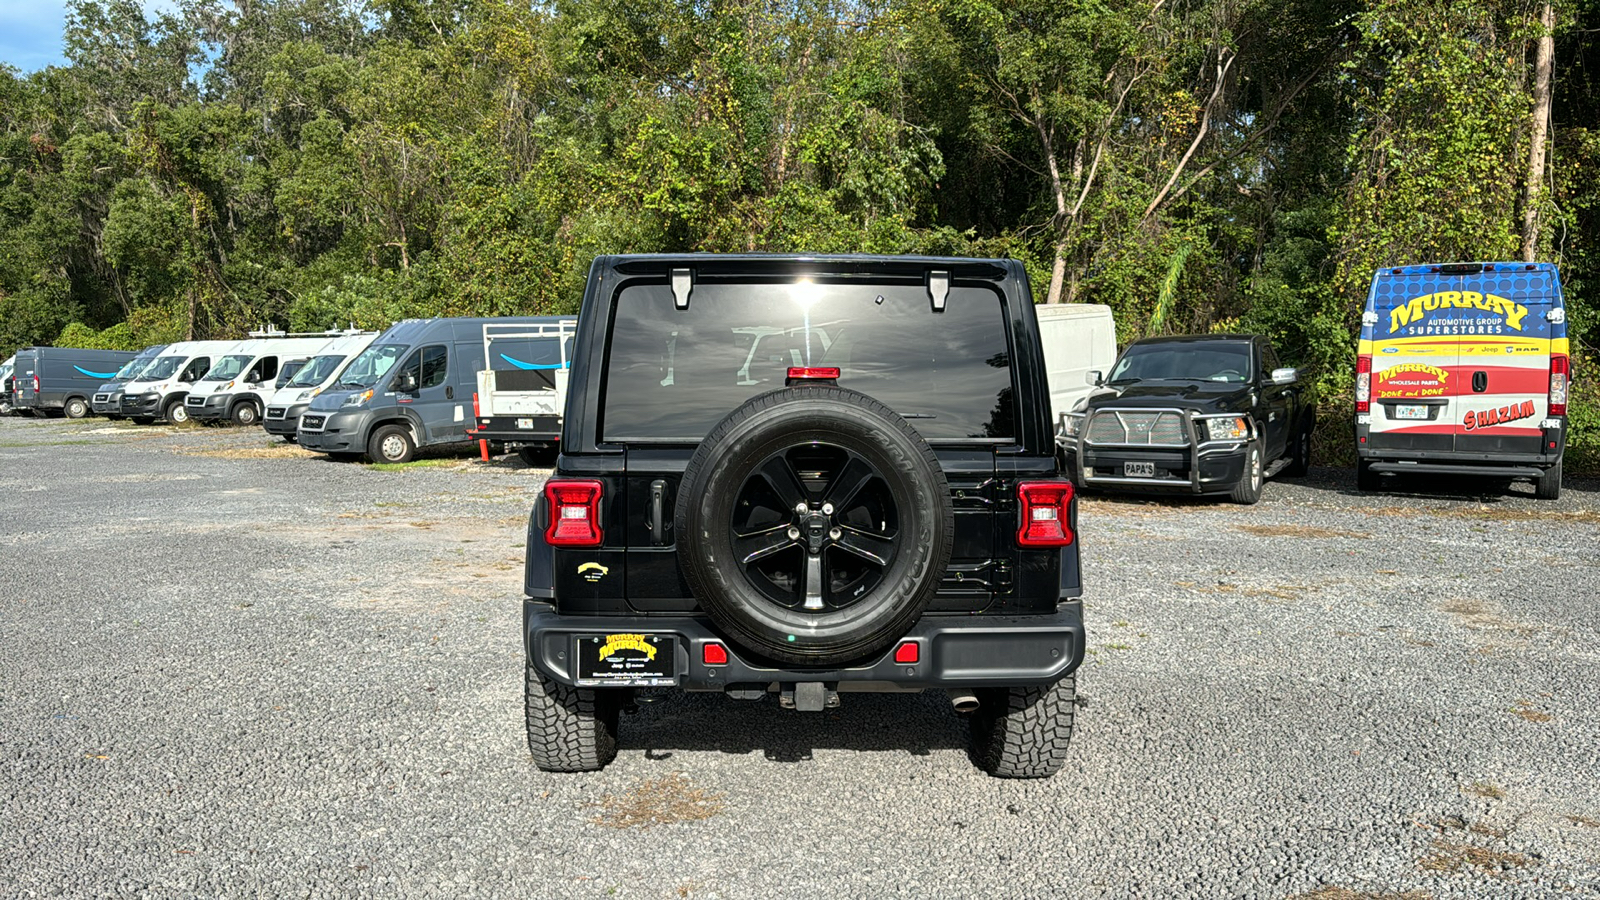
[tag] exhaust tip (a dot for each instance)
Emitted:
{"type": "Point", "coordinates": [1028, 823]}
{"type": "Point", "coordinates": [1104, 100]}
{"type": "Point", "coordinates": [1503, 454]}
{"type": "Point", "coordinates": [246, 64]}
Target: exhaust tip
{"type": "Point", "coordinates": [963, 701]}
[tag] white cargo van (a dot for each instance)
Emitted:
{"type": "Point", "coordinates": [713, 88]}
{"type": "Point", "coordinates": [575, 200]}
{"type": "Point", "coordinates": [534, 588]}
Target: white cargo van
{"type": "Point", "coordinates": [1079, 338]}
{"type": "Point", "coordinates": [286, 404]}
{"type": "Point", "coordinates": [160, 390]}
{"type": "Point", "coordinates": [240, 382]}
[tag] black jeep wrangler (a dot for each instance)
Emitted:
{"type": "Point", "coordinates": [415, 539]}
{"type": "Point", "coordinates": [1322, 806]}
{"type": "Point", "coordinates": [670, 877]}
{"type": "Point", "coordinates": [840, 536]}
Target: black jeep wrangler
{"type": "Point", "coordinates": [806, 476]}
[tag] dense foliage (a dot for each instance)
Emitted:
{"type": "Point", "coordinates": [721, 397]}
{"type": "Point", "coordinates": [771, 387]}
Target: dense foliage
{"type": "Point", "coordinates": [1197, 165]}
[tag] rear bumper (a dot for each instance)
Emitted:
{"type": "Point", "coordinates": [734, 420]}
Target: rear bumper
{"type": "Point", "coordinates": [955, 651]}
{"type": "Point", "coordinates": [514, 431]}
{"type": "Point", "coordinates": [1393, 453]}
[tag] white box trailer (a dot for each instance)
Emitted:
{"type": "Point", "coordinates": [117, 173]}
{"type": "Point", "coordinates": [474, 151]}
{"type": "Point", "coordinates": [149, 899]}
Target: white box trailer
{"type": "Point", "coordinates": [1079, 338]}
{"type": "Point", "coordinates": [522, 388]}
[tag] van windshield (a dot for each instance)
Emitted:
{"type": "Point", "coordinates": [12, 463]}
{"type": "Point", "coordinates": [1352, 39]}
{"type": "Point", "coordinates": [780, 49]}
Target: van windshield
{"type": "Point", "coordinates": [131, 369]}
{"type": "Point", "coordinates": [162, 367]}
{"type": "Point", "coordinates": [373, 363]}
{"type": "Point", "coordinates": [314, 371]}
{"type": "Point", "coordinates": [229, 367]}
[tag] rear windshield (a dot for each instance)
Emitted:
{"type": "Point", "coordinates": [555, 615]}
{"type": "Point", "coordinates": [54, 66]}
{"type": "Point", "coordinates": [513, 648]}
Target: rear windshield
{"type": "Point", "coordinates": [229, 367]}
{"type": "Point", "coordinates": [672, 374]}
{"type": "Point", "coordinates": [1441, 304]}
{"type": "Point", "coordinates": [314, 371]}
{"type": "Point", "coordinates": [163, 367]}
{"type": "Point", "coordinates": [1224, 361]}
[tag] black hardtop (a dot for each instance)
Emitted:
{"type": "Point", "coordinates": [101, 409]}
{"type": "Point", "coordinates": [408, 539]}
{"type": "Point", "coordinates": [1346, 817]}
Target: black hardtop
{"type": "Point", "coordinates": [609, 274]}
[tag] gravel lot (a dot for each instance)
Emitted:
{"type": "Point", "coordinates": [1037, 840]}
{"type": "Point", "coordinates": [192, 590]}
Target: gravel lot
{"type": "Point", "coordinates": [236, 669]}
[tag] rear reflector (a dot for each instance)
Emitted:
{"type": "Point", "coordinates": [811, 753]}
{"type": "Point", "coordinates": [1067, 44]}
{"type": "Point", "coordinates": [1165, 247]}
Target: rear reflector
{"type": "Point", "coordinates": [907, 653]}
{"type": "Point", "coordinates": [574, 513]}
{"type": "Point", "coordinates": [713, 654]}
{"type": "Point", "coordinates": [1046, 520]}
{"type": "Point", "coordinates": [814, 372]}
{"type": "Point", "coordinates": [1558, 385]}
{"type": "Point", "coordinates": [1363, 384]}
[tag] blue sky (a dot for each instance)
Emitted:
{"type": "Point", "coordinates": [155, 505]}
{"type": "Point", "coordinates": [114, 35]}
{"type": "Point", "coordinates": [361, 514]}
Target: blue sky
{"type": "Point", "coordinates": [30, 33]}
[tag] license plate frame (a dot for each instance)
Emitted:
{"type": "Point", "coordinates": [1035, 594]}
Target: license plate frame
{"type": "Point", "coordinates": [625, 660]}
{"type": "Point", "coordinates": [1138, 470]}
{"type": "Point", "coordinates": [525, 423]}
{"type": "Point", "coordinates": [1411, 412]}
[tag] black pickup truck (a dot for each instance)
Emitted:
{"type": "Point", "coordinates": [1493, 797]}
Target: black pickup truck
{"type": "Point", "coordinates": [1193, 414]}
{"type": "Point", "coordinates": [796, 478]}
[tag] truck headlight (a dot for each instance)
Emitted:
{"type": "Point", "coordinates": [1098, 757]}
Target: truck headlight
{"type": "Point", "coordinates": [1071, 424]}
{"type": "Point", "coordinates": [1229, 429]}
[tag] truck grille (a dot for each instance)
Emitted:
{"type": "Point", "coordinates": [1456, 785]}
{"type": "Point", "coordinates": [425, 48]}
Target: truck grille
{"type": "Point", "coordinates": [194, 401]}
{"type": "Point", "coordinates": [277, 412]}
{"type": "Point", "coordinates": [102, 398]}
{"type": "Point", "coordinates": [1137, 429]}
{"type": "Point", "coordinates": [312, 423]}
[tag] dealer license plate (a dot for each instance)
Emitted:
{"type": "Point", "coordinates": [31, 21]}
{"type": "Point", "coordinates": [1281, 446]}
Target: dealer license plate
{"type": "Point", "coordinates": [1410, 412]}
{"type": "Point", "coordinates": [1139, 470]}
{"type": "Point", "coordinates": [524, 423]}
{"type": "Point", "coordinates": [627, 660]}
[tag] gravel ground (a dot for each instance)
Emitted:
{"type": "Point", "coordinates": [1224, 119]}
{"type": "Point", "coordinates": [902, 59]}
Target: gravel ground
{"type": "Point", "coordinates": [237, 669]}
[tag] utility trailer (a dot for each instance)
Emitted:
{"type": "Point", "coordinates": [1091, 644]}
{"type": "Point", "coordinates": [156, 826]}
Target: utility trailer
{"type": "Point", "coordinates": [522, 389]}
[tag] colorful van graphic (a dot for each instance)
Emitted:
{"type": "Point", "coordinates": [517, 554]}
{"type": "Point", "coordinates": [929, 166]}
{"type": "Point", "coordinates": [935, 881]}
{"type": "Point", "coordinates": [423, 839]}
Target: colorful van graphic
{"type": "Point", "coordinates": [1462, 369]}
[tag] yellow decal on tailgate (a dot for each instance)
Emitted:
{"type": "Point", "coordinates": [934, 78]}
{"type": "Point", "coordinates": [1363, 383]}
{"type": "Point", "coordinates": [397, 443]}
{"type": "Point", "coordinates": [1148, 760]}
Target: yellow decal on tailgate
{"type": "Point", "coordinates": [615, 642]}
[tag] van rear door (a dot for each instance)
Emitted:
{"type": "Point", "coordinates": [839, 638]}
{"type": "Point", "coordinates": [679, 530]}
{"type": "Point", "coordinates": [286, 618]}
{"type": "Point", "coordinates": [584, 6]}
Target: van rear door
{"type": "Point", "coordinates": [1415, 346]}
{"type": "Point", "coordinates": [1503, 395]}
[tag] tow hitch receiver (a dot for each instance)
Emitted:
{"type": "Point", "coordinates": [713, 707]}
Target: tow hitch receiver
{"type": "Point", "coordinates": [808, 696]}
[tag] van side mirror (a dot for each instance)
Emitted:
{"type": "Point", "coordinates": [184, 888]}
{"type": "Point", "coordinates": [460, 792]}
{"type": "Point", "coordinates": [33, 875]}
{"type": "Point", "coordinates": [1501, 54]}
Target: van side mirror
{"type": "Point", "coordinates": [406, 383]}
{"type": "Point", "coordinates": [1094, 377]}
{"type": "Point", "coordinates": [1285, 376]}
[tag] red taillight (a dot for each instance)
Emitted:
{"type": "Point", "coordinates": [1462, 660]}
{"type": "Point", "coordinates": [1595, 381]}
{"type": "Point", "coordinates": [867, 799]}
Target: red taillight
{"type": "Point", "coordinates": [1558, 385]}
{"type": "Point", "coordinates": [908, 653]}
{"type": "Point", "coordinates": [1045, 513]}
{"type": "Point", "coordinates": [574, 513]}
{"type": "Point", "coordinates": [1363, 384]}
{"type": "Point", "coordinates": [713, 654]}
{"type": "Point", "coordinates": [36, 384]}
{"type": "Point", "coordinates": [814, 372]}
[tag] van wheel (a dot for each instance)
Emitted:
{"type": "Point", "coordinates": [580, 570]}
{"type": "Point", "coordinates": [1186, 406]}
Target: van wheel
{"type": "Point", "coordinates": [1300, 456]}
{"type": "Point", "coordinates": [391, 444]}
{"type": "Point", "coordinates": [570, 729]}
{"type": "Point", "coordinates": [1366, 479]}
{"type": "Point", "coordinates": [1023, 732]}
{"type": "Point", "coordinates": [1248, 490]}
{"type": "Point", "coordinates": [75, 408]}
{"type": "Point", "coordinates": [245, 414]}
{"type": "Point", "coordinates": [1548, 487]}
{"type": "Point", "coordinates": [175, 412]}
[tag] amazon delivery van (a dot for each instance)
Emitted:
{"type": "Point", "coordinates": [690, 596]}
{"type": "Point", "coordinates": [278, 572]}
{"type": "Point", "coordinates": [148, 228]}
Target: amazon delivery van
{"type": "Point", "coordinates": [1462, 369]}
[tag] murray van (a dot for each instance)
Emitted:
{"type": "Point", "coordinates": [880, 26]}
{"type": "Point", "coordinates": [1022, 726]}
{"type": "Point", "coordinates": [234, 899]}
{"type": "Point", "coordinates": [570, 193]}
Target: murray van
{"type": "Point", "coordinates": [1463, 369]}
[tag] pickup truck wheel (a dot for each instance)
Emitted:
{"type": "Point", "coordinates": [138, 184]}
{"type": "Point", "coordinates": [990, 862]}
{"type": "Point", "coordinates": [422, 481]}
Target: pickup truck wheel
{"type": "Point", "coordinates": [1300, 456]}
{"type": "Point", "coordinates": [570, 729]}
{"type": "Point", "coordinates": [391, 444]}
{"type": "Point", "coordinates": [814, 525]}
{"type": "Point", "coordinates": [1248, 491]}
{"type": "Point", "coordinates": [175, 413]}
{"type": "Point", "coordinates": [75, 408]}
{"type": "Point", "coordinates": [1548, 487]}
{"type": "Point", "coordinates": [1023, 732]}
{"type": "Point", "coordinates": [245, 413]}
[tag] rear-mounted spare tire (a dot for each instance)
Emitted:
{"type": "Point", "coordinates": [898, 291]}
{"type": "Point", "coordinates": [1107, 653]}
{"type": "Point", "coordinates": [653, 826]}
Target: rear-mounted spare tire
{"type": "Point", "coordinates": [814, 525]}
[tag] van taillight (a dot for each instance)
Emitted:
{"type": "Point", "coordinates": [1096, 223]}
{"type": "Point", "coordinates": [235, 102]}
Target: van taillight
{"type": "Point", "coordinates": [1363, 384]}
{"type": "Point", "coordinates": [1045, 514]}
{"type": "Point", "coordinates": [1558, 385]}
{"type": "Point", "coordinates": [36, 385]}
{"type": "Point", "coordinates": [574, 513]}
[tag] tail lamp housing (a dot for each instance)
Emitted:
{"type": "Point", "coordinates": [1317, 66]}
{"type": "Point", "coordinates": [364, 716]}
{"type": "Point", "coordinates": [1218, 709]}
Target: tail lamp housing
{"type": "Point", "coordinates": [1363, 384]}
{"type": "Point", "coordinates": [1046, 514]}
{"type": "Point", "coordinates": [574, 513]}
{"type": "Point", "coordinates": [1558, 385]}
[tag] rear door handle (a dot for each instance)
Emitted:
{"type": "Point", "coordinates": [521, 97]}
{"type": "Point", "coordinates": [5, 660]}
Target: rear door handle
{"type": "Point", "coordinates": [449, 392]}
{"type": "Point", "coordinates": [658, 510]}
{"type": "Point", "coordinates": [1480, 382]}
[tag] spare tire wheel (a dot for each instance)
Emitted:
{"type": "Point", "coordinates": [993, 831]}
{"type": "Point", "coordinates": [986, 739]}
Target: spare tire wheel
{"type": "Point", "coordinates": [814, 525]}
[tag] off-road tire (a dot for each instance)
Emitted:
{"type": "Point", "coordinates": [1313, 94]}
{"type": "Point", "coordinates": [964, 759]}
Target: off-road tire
{"type": "Point", "coordinates": [174, 412]}
{"type": "Point", "coordinates": [1023, 732]}
{"type": "Point", "coordinates": [1248, 490]}
{"type": "Point", "coordinates": [391, 444]}
{"type": "Point", "coordinates": [75, 408]}
{"type": "Point", "coordinates": [1366, 479]}
{"type": "Point", "coordinates": [570, 729]}
{"type": "Point", "coordinates": [1548, 485]}
{"type": "Point", "coordinates": [768, 424]}
{"type": "Point", "coordinates": [244, 414]}
{"type": "Point", "coordinates": [1300, 455]}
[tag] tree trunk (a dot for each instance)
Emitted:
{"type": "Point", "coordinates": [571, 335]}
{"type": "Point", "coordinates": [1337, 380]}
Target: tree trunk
{"type": "Point", "coordinates": [1541, 124]}
{"type": "Point", "coordinates": [1058, 268]}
